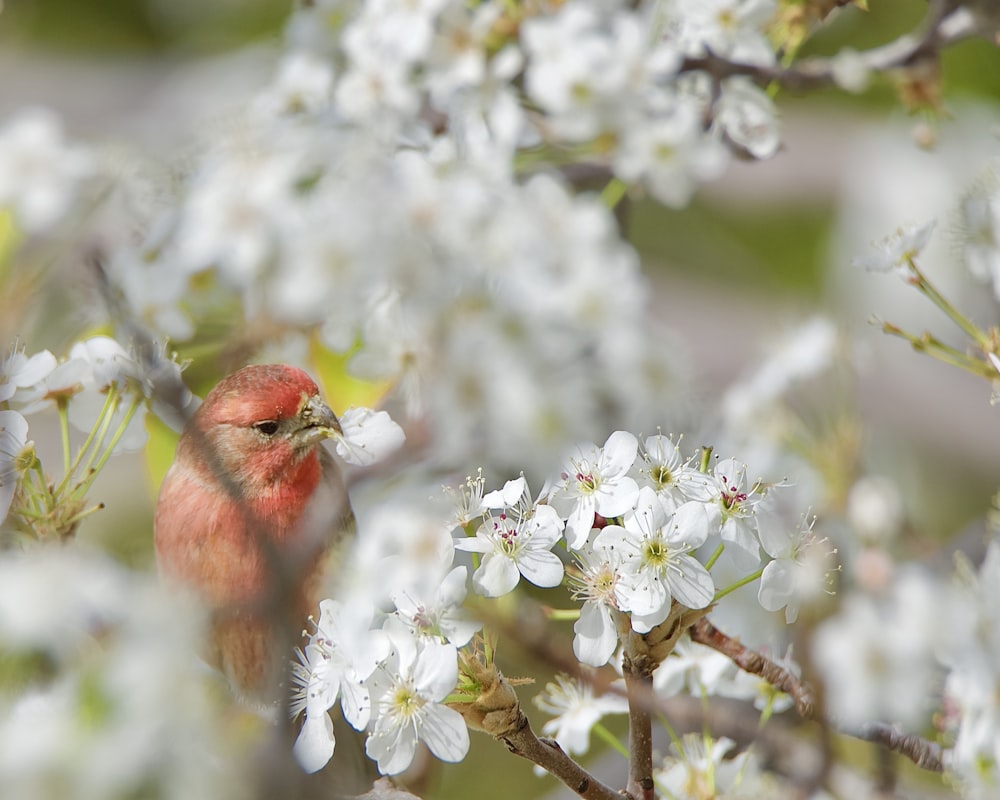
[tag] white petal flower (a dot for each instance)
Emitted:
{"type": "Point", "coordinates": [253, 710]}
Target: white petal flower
{"type": "Point", "coordinates": [595, 632]}
{"type": "Point", "coordinates": [18, 371]}
{"type": "Point", "coordinates": [662, 466]}
{"type": "Point", "coordinates": [655, 563]}
{"type": "Point", "coordinates": [13, 437]}
{"type": "Point", "coordinates": [340, 655]}
{"type": "Point", "coordinates": [439, 615]}
{"type": "Point", "coordinates": [367, 436]}
{"type": "Point", "coordinates": [733, 511]}
{"type": "Point", "coordinates": [576, 711]}
{"type": "Point", "coordinates": [515, 541]}
{"type": "Point", "coordinates": [595, 481]}
{"type": "Point", "coordinates": [895, 252]}
{"type": "Point", "coordinates": [408, 689]}
{"type": "Point", "coordinates": [799, 570]}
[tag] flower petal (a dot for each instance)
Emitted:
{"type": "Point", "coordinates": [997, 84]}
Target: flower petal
{"type": "Point", "coordinates": [496, 576]}
{"type": "Point", "coordinates": [314, 746]}
{"type": "Point", "coordinates": [541, 567]}
{"type": "Point", "coordinates": [368, 436]}
{"type": "Point", "coordinates": [691, 584]}
{"type": "Point", "coordinates": [596, 637]}
{"type": "Point", "coordinates": [444, 732]}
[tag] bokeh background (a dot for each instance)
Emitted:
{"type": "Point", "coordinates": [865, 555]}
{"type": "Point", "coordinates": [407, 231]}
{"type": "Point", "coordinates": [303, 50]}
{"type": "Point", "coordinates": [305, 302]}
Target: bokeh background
{"type": "Point", "coordinates": [759, 252]}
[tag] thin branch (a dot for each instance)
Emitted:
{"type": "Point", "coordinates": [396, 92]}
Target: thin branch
{"type": "Point", "coordinates": [639, 687]}
{"type": "Point", "coordinates": [811, 73]}
{"type": "Point", "coordinates": [704, 632]}
{"type": "Point", "coordinates": [922, 752]}
{"type": "Point", "coordinates": [522, 741]}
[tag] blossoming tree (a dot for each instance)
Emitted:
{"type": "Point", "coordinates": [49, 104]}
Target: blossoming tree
{"type": "Point", "coordinates": [425, 206]}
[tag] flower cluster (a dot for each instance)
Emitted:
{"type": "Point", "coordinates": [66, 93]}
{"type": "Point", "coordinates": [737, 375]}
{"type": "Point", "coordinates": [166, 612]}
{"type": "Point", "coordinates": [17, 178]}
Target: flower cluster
{"type": "Point", "coordinates": [642, 524]}
{"type": "Point", "coordinates": [390, 674]}
{"type": "Point", "coordinates": [102, 391]}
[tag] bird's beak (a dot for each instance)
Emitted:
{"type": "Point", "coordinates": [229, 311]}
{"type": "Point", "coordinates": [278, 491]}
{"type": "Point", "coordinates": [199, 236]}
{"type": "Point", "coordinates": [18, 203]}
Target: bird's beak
{"type": "Point", "coordinates": [317, 422]}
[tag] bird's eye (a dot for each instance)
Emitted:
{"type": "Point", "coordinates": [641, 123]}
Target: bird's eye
{"type": "Point", "coordinates": [268, 427]}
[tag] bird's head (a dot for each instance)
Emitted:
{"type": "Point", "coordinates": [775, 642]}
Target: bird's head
{"type": "Point", "coordinates": [260, 423]}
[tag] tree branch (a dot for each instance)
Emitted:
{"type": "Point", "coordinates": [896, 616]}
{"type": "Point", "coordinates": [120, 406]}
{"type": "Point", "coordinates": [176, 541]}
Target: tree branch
{"type": "Point", "coordinates": [927, 38]}
{"type": "Point", "coordinates": [704, 632]}
{"type": "Point", "coordinates": [522, 741]}
{"type": "Point", "coordinates": [922, 752]}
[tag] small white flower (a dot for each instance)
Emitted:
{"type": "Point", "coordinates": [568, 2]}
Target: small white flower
{"type": "Point", "coordinates": [576, 711]}
{"type": "Point", "coordinates": [407, 689]}
{"type": "Point", "coordinates": [733, 512]}
{"type": "Point", "coordinates": [748, 117]}
{"type": "Point", "coordinates": [39, 171]}
{"type": "Point", "coordinates": [895, 252]}
{"type": "Point", "coordinates": [440, 614]}
{"type": "Point", "coordinates": [732, 29]}
{"type": "Point", "coordinates": [339, 657]}
{"type": "Point", "coordinates": [13, 437]}
{"type": "Point", "coordinates": [662, 467]}
{"type": "Point", "coordinates": [19, 371]}
{"type": "Point", "coordinates": [515, 540]}
{"type": "Point", "coordinates": [367, 436]}
{"type": "Point", "coordinates": [595, 632]}
{"type": "Point", "coordinates": [699, 768]}
{"type": "Point", "coordinates": [595, 481]}
{"type": "Point", "coordinates": [656, 566]}
{"type": "Point", "coordinates": [107, 364]}
{"type": "Point", "coordinates": [799, 570]}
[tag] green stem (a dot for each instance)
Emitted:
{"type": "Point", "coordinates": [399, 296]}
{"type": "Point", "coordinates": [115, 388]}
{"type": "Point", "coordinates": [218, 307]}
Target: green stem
{"type": "Point", "coordinates": [738, 585]}
{"type": "Point", "coordinates": [115, 438]}
{"type": "Point", "coordinates": [63, 408]}
{"type": "Point", "coordinates": [610, 739]}
{"type": "Point", "coordinates": [941, 302]}
{"type": "Point", "coordinates": [935, 348]}
{"type": "Point", "coordinates": [613, 192]}
{"type": "Point", "coordinates": [103, 424]}
{"type": "Point", "coordinates": [68, 523]}
{"type": "Point", "coordinates": [83, 448]}
{"type": "Point", "coordinates": [563, 614]}
{"type": "Point", "coordinates": [715, 556]}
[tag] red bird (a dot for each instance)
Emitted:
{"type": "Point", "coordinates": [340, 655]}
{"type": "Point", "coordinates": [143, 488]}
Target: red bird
{"type": "Point", "coordinates": [248, 516]}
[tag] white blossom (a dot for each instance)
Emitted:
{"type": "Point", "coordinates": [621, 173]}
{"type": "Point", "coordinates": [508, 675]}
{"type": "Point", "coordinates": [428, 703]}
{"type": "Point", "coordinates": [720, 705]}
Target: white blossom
{"type": "Point", "coordinates": [40, 173]}
{"type": "Point", "coordinates": [515, 540]}
{"type": "Point", "coordinates": [438, 612]}
{"type": "Point", "coordinates": [340, 656]}
{"type": "Point", "coordinates": [595, 481]}
{"type": "Point", "coordinates": [407, 690]}
{"type": "Point", "coordinates": [367, 437]}
{"type": "Point", "coordinates": [656, 565]}
{"type": "Point", "coordinates": [576, 709]}
{"type": "Point", "coordinates": [896, 251]}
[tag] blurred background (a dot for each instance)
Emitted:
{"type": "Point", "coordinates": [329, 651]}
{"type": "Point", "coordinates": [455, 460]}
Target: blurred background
{"type": "Point", "coordinates": [759, 252]}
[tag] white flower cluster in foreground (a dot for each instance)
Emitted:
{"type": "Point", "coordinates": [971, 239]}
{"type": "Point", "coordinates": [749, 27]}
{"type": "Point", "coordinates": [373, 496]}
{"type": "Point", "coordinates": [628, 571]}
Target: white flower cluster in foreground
{"type": "Point", "coordinates": [640, 526]}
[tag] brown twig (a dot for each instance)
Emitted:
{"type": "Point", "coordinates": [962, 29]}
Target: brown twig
{"type": "Point", "coordinates": [704, 632]}
{"type": "Point", "coordinates": [925, 754]}
{"type": "Point", "coordinates": [639, 686]}
{"type": "Point", "coordinates": [814, 73]}
{"type": "Point", "coordinates": [922, 752]}
{"type": "Point", "coordinates": [522, 741]}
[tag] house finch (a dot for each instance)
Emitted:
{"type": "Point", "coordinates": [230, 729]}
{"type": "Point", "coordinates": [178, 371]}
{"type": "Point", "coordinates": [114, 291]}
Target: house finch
{"type": "Point", "coordinates": [248, 516]}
